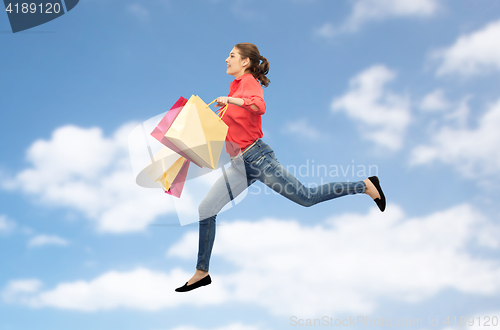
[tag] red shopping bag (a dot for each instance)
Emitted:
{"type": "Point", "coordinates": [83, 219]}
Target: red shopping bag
{"type": "Point", "coordinates": [164, 124]}
{"type": "Point", "coordinates": [178, 183]}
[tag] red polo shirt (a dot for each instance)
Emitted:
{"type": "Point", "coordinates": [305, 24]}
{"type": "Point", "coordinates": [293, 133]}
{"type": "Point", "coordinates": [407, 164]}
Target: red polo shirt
{"type": "Point", "coordinates": [245, 125]}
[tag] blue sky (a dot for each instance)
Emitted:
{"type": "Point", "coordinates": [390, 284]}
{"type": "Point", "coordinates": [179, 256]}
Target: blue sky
{"type": "Point", "coordinates": [409, 88]}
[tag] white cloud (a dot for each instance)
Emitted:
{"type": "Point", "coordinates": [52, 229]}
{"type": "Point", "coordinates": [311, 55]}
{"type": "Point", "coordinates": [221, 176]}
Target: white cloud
{"type": "Point", "coordinates": [473, 152]}
{"type": "Point", "coordinates": [81, 169]}
{"type": "Point", "coordinates": [43, 240]}
{"type": "Point", "coordinates": [302, 128]}
{"type": "Point", "coordinates": [138, 11]}
{"type": "Point", "coordinates": [20, 291]}
{"type": "Point", "coordinates": [460, 116]}
{"type": "Point", "coordinates": [6, 225]}
{"type": "Point", "coordinates": [382, 116]}
{"type": "Point", "coordinates": [435, 101]}
{"type": "Point", "coordinates": [140, 289]}
{"type": "Point", "coordinates": [348, 264]}
{"type": "Point", "coordinates": [474, 53]}
{"type": "Point", "coordinates": [365, 11]}
{"type": "Point", "coordinates": [353, 261]}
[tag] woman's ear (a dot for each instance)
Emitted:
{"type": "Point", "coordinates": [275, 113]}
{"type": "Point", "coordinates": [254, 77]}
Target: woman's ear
{"type": "Point", "coordinates": [246, 62]}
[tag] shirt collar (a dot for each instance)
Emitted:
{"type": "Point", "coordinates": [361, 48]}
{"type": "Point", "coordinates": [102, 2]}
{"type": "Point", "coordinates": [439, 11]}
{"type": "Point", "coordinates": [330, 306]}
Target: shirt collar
{"type": "Point", "coordinates": [241, 77]}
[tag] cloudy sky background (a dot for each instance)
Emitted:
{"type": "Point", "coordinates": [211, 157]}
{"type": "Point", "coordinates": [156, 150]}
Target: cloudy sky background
{"type": "Point", "coordinates": [406, 89]}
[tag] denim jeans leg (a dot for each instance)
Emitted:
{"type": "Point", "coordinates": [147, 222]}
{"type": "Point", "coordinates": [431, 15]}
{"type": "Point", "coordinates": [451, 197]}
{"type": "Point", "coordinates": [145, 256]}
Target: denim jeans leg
{"type": "Point", "coordinates": [263, 165]}
{"type": "Point", "coordinates": [205, 242]}
{"type": "Point", "coordinates": [228, 186]}
{"type": "Point", "coordinates": [276, 177]}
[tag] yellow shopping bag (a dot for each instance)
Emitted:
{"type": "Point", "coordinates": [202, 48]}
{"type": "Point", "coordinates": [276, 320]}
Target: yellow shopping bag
{"type": "Point", "coordinates": [199, 133]}
{"type": "Point", "coordinates": [165, 167]}
{"type": "Point", "coordinates": [168, 177]}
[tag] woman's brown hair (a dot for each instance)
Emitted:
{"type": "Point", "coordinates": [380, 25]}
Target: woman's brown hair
{"type": "Point", "coordinates": [257, 69]}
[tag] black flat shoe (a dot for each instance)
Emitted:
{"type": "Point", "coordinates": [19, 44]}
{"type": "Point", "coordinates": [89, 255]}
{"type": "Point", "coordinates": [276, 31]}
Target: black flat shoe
{"type": "Point", "coordinates": [204, 281]}
{"type": "Point", "coordinates": [380, 201]}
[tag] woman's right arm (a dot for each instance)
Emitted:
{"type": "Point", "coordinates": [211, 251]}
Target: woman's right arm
{"type": "Point", "coordinates": [223, 100]}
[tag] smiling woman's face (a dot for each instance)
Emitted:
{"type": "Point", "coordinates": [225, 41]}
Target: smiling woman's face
{"type": "Point", "coordinates": [235, 65]}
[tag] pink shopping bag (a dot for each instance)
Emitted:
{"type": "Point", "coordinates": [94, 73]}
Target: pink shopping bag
{"type": "Point", "coordinates": [164, 124]}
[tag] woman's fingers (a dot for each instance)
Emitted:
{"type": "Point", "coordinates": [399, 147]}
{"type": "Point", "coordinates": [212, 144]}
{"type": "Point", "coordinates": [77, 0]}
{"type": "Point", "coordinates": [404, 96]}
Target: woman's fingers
{"type": "Point", "coordinates": [222, 100]}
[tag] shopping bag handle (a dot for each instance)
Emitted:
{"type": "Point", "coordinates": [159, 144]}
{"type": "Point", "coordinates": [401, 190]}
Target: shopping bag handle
{"type": "Point", "coordinates": [220, 112]}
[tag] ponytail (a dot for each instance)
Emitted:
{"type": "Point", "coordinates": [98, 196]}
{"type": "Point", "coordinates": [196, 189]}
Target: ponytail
{"type": "Point", "coordinates": [259, 65]}
{"type": "Point", "coordinates": [262, 71]}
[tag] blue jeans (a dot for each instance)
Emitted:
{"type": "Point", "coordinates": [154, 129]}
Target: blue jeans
{"type": "Point", "coordinates": [259, 163]}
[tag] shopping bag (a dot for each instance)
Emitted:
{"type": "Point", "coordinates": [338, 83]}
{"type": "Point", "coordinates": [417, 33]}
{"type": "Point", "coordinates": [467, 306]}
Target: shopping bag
{"type": "Point", "coordinates": [165, 123]}
{"type": "Point", "coordinates": [178, 183]}
{"type": "Point", "coordinates": [199, 133]}
{"type": "Point", "coordinates": [168, 170]}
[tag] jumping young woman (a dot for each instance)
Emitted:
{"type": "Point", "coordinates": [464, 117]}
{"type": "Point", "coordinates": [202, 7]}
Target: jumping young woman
{"type": "Point", "coordinates": [252, 159]}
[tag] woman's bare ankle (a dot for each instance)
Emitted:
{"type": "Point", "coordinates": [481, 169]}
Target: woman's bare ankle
{"type": "Point", "coordinates": [199, 274]}
{"type": "Point", "coordinates": [368, 184]}
{"type": "Point", "coordinates": [371, 190]}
